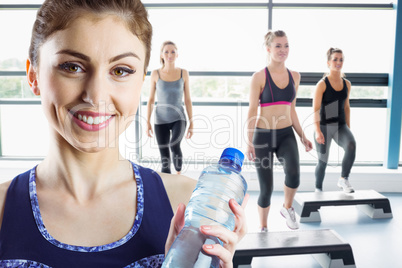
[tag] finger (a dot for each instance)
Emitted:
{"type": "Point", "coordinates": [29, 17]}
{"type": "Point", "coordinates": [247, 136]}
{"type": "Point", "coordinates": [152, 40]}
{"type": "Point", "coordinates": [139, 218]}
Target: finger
{"type": "Point", "coordinates": [223, 254]}
{"type": "Point", "coordinates": [250, 156]}
{"type": "Point", "coordinates": [227, 237]}
{"type": "Point", "coordinates": [176, 225]}
{"type": "Point", "coordinates": [240, 215]}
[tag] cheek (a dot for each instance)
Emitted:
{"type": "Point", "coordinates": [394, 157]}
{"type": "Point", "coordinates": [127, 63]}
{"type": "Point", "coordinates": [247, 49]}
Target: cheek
{"type": "Point", "coordinates": [57, 89]}
{"type": "Point", "coordinates": [129, 98]}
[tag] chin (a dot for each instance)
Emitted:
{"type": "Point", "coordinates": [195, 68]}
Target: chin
{"type": "Point", "coordinates": [95, 145]}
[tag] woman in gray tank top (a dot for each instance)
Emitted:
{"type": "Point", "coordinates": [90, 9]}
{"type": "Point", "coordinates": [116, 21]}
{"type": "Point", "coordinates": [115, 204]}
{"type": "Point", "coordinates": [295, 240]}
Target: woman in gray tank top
{"type": "Point", "coordinates": [170, 84]}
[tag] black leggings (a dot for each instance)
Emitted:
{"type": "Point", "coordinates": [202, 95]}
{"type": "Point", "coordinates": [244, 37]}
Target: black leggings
{"type": "Point", "coordinates": [342, 135]}
{"type": "Point", "coordinates": [283, 143]}
{"type": "Point", "coordinates": [165, 141]}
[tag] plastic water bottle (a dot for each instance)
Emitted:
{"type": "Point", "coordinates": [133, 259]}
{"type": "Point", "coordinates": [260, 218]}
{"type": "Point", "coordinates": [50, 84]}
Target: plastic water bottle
{"type": "Point", "coordinates": [209, 205]}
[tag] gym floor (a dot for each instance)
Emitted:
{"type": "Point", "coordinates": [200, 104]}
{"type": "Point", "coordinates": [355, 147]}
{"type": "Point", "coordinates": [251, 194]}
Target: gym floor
{"type": "Point", "coordinates": [375, 242]}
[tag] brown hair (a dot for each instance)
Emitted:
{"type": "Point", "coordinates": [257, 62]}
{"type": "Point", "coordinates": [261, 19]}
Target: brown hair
{"type": "Point", "coordinates": [331, 51]}
{"type": "Point", "coordinates": [56, 15]}
{"type": "Point", "coordinates": [163, 45]}
{"type": "Point", "coordinates": [269, 37]}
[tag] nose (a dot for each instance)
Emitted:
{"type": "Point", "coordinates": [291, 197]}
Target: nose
{"type": "Point", "coordinates": [95, 90]}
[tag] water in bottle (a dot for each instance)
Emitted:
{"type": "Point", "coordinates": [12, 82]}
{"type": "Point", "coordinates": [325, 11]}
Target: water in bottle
{"type": "Point", "coordinates": [209, 205]}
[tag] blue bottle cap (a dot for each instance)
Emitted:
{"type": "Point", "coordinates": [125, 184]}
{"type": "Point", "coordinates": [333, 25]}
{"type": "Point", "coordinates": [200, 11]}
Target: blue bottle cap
{"type": "Point", "coordinates": [232, 155]}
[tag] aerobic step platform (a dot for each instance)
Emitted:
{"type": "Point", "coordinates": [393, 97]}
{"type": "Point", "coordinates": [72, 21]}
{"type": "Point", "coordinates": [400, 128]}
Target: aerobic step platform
{"type": "Point", "coordinates": [325, 245]}
{"type": "Point", "coordinates": [370, 202]}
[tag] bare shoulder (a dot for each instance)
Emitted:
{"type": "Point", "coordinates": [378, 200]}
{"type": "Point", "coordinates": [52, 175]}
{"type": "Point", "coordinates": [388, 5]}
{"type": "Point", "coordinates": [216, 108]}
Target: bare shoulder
{"type": "Point", "coordinates": [321, 84]}
{"type": "Point", "coordinates": [154, 74]}
{"type": "Point", "coordinates": [296, 75]}
{"type": "Point", "coordinates": [259, 75]}
{"type": "Point", "coordinates": [348, 83]}
{"type": "Point", "coordinates": [178, 187]}
{"type": "Point", "coordinates": [3, 193]}
{"type": "Point", "coordinates": [258, 80]}
{"type": "Point", "coordinates": [185, 72]}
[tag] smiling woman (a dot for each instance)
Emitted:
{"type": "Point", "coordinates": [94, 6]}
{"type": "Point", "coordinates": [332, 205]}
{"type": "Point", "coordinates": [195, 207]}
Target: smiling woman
{"type": "Point", "coordinates": [96, 81]}
{"type": "Point", "coordinates": [85, 205]}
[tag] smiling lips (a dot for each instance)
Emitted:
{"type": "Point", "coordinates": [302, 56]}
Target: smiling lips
{"type": "Point", "coordinates": [91, 121]}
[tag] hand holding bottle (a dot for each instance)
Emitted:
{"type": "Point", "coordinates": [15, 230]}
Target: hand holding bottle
{"type": "Point", "coordinates": [205, 233]}
{"type": "Point", "coordinates": [229, 238]}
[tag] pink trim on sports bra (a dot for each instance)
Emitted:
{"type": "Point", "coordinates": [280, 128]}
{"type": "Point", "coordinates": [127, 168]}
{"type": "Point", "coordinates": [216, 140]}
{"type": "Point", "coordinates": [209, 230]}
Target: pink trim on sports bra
{"type": "Point", "coordinates": [275, 103]}
{"type": "Point", "coordinates": [269, 82]}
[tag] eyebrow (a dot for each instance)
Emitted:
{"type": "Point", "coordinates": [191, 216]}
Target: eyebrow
{"type": "Point", "coordinates": [124, 55]}
{"type": "Point", "coordinates": [86, 58]}
{"type": "Point", "coordinates": [74, 54]}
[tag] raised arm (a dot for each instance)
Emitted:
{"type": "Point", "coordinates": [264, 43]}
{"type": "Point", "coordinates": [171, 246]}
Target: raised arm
{"type": "Point", "coordinates": [317, 100]}
{"type": "Point", "coordinates": [295, 119]}
{"type": "Point", "coordinates": [188, 103]}
{"type": "Point", "coordinates": [151, 101]}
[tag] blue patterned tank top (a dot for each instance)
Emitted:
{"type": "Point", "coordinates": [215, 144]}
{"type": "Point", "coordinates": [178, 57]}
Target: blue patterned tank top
{"type": "Point", "coordinates": [25, 242]}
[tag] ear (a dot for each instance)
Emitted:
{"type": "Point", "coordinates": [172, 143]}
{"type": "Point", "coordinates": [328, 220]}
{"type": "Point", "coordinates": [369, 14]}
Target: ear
{"type": "Point", "coordinates": [32, 78]}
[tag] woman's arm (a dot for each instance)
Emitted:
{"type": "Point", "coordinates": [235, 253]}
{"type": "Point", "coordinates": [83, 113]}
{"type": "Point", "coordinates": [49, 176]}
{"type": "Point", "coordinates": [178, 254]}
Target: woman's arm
{"type": "Point", "coordinates": [257, 83]}
{"type": "Point", "coordinates": [188, 103]}
{"type": "Point", "coordinates": [317, 100]}
{"type": "Point", "coordinates": [151, 101]}
{"type": "Point", "coordinates": [178, 187]}
{"type": "Point", "coordinates": [3, 194]}
{"type": "Point", "coordinates": [295, 119]}
{"type": "Point", "coordinates": [347, 104]}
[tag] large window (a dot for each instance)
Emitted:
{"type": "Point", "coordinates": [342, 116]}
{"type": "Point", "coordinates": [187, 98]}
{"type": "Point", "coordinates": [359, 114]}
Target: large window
{"type": "Point", "coordinates": [221, 44]}
{"type": "Point", "coordinates": [356, 31]}
{"type": "Point", "coordinates": [212, 39]}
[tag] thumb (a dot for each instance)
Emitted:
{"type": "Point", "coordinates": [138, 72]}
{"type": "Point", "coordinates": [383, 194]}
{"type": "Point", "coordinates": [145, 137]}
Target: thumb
{"type": "Point", "coordinates": [176, 225]}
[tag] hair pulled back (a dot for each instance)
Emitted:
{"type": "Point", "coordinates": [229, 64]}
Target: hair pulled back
{"type": "Point", "coordinates": [56, 15]}
{"type": "Point", "coordinates": [331, 51]}
{"type": "Point", "coordinates": [269, 37]}
{"type": "Point", "coordinates": [162, 47]}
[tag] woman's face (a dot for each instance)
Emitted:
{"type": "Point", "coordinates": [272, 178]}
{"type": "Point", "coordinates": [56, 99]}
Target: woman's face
{"type": "Point", "coordinates": [169, 53]}
{"type": "Point", "coordinates": [279, 49]}
{"type": "Point", "coordinates": [336, 62]}
{"type": "Point", "coordinates": [90, 77]}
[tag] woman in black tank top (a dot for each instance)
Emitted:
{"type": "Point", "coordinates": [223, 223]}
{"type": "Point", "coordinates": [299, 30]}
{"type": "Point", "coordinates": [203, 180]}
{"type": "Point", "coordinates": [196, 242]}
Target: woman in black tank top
{"type": "Point", "coordinates": [332, 120]}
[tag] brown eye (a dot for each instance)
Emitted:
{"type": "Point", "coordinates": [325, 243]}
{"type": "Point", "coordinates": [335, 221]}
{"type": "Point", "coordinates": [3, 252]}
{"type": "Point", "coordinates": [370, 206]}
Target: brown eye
{"type": "Point", "coordinates": [70, 67]}
{"type": "Point", "coordinates": [122, 72]}
{"type": "Point", "coordinates": [73, 68]}
{"type": "Point", "coordinates": [118, 72]}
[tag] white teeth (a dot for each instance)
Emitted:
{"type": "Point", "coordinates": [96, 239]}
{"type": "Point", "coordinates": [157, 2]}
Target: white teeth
{"type": "Point", "coordinates": [90, 120]}
{"type": "Point", "coordinates": [93, 120]}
